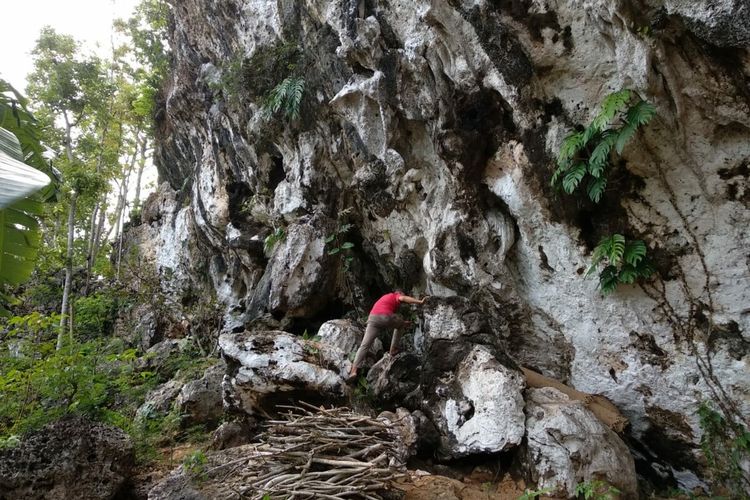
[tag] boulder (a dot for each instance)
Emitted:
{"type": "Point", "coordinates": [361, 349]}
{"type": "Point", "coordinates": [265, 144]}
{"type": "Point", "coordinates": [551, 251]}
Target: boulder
{"type": "Point", "coordinates": [159, 401]}
{"type": "Point", "coordinates": [396, 380]}
{"type": "Point", "coordinates": [200, 401]}
{"type": "Point", "coordinates": [478, 408]}
{"type": "Point", "coordinates": [266, 367]}
{"type": "Point", "coordinates": [233, 433]}
{"type": "Point", "coordinates": [341, 333]}
{"type": "Point", "coordinates": [70, 458]}
{"type": "Point", "coordinates": [566, 445]}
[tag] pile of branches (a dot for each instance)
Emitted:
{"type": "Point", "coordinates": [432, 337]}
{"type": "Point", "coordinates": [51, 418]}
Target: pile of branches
{"type": "Point", "coordinates": [313, 452]}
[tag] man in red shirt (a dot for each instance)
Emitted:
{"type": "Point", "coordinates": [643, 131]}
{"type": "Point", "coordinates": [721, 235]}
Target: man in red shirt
{"type": "Point", "coordinates": [383, 316]}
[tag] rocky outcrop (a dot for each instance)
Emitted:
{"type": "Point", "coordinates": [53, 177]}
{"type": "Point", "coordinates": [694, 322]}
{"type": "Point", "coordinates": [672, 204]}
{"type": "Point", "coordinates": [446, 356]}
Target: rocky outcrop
{"type": "Point", "coordinates": [567, 445]}
{"type": "Point", "coordinates": [432, 127]}
{"type": "Point", "coordinates": [200, 401]}
{"type": "Point", "coordinates": [268, 367]}
{"type": "Point", "coordinates": [159, 401]}
{"type": "Point", "coordinates": [71, 458]}
{"type": "Point", "coordinates": [479, 407]}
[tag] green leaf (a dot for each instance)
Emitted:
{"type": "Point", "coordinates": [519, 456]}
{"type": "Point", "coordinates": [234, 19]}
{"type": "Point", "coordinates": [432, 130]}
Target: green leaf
{"type": "Point", "coordinates": [634, 252]}
{"type": "Point", "coordinates": [558, 172]}
{"type": "Point", "coordinates": [640, 113]}
{"type": "Point", "coordinates": [334, 251]}
{"type": "Point", "coordinates": [330, 238]}
{"type": "Point", "coordinates": [570, 146]}
{"type": "Point", "coordinates": [600, 156]}
{"type": "Point", "coordinates": [611, 105]}
{"type": "Point", "coordinates": [628, 274]}
{"type": "Point", "coordinates": [573, 177]}
{"type": "Point", "coordinates": [596, 188]}
{"type": "Point", "coordinates": [608, 280]}
{"type": "Point", "coordinates": [347, 245]}
{"type": "Point", "coordinates": [625, 134]}
{"type": "Point", "coordinates": [616, 249]}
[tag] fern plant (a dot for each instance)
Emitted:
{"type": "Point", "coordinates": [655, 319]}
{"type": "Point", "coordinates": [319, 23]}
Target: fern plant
{"type": "Point", "coordinates": [585, 155]}
{"type": "Point", "coordinates": [625, 262]}
{"type": "Point", "coordinates": [286, 98]}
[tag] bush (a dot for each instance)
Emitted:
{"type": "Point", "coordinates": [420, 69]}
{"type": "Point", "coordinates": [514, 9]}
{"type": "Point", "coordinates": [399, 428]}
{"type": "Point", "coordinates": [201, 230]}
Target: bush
{"type": "Point", "coordinates": [95, 315]}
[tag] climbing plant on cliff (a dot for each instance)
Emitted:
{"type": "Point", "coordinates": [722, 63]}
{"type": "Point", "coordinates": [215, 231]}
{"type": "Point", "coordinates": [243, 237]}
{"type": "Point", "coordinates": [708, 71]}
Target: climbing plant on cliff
{"type": "Point", "coordinates": [625, 261]}
{"type": "Point", "coordinates": [585, 155]}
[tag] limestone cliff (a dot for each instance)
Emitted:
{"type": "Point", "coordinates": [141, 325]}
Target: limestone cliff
{"type": "Point", "coordinates": [432, 127]}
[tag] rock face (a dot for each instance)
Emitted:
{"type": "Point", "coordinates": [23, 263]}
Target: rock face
{"type": "Point", "coordinates": [201, 400]}
{"type": "Point", "coordinates": [266, 367]}
{"type": "Point", "coordinates": [567, 445]}
{"type": "Point", "coordinates": [427, 138]}
{"type": "Point", "coordinates": [71, 458]}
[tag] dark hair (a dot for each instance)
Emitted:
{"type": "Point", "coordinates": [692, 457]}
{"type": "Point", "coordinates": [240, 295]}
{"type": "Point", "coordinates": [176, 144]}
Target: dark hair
{"type": "Point", "coordinates": [398, 290]}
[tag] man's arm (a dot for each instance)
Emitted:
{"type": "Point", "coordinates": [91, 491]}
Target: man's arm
{"type": "Point", "coordinates": [411, 300]}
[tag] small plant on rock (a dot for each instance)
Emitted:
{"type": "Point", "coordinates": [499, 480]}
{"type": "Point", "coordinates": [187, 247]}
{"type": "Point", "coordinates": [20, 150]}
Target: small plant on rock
{"type": "Point", "coordinates": [286, 98]}
{"type": "Point", "coordinates": [272, 239]}
{"type": "Point", "coordinates": [532, 494]}
{"type": "Point", "coordinates": [726, 448]}
{"type": "Point", "coordinates": [195, 464]}
{"type": "Point", "coordinates": [585, 155]}
{"type": "Point", "coordinates": [596, 490]}
{"type": "Point", "coordinates": [626, 262]}
{"type": "Point", "coordinates": [337, 245]}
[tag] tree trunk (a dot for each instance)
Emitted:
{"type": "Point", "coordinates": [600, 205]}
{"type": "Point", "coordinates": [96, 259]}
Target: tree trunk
{"type": "Point", "coordinates": [68, 270]}
{"type": "Point", "coordinates": [141, 166]}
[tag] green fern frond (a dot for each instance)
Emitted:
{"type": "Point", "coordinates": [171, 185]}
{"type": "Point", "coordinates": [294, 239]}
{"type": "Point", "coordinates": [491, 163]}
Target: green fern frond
{"type": "Point", "coordinates": [645, 269]}
{"type": "Point", "coordinates": [634, 252]}
{"type": "Point", "coordinates": [558, 172]}
{"type": "Point", "coordinates": [573, 177]}
{"type": "Point", "coordinates": [570, 146]}
{"type": "Point", "coordinates": [608, 280]}
{"type": "Point", "coordinates": [628, 274]}
{"type": "Point", "coordinates": [286, 97]}
{"type": "Point", "coordinates": [596, 188]}
{"type": "Point", "coordinates": [600, 155]}
{"type": "Point", "coordinates": [624, 135]}
{"type": "Point", "coordinates": [611, 105]}
{"type": "Point", "coordinates": [640, 113]}
{"type": "Point", "coordinates": [590, 133]}
{"type": "Point", "coordinates": [617, 249]}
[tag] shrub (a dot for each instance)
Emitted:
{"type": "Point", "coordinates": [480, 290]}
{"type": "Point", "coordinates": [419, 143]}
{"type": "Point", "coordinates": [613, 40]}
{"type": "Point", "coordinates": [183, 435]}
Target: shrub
{"type": "Point", "coordinates": [95, 315]}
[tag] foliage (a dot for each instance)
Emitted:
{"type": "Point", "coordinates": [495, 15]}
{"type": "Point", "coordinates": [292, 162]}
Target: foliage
{"type": "Point", "coordinates": [596, 490]}
{"type": "Point", "coordinates": [20, 236]}
{"type": "Point", "coordinates": [626, 261]}
{"type": "Point", "coordinates": [586, 154]}
{"type": "Point", "coordinates": [726, 448]}
{"type": "Point", "coordinates": [532, 494]}
{"type": "Point", "coordinates": [261, 72]}
{"type": "Point", "coordinates": [195, 464]}
{"type": "Point", "coordinates": [40, 384]}
{"type": "Point", "coordinates": [95, 314]}
{"type": "Point", "coordinates": [286, 98]}
{"type": "Point", "coordinates": [273, 238]}
{"type": "Point", "coordinates": [337, 244]}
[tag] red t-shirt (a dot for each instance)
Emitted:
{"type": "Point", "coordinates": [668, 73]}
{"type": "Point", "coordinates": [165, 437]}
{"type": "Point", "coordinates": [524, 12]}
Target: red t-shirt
{"type": "Point", "coordinates": [387, 304]}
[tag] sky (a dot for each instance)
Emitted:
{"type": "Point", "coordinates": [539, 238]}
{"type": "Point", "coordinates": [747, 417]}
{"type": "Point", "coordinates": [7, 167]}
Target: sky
{"type": "Point", "coordinates": [88, 21]}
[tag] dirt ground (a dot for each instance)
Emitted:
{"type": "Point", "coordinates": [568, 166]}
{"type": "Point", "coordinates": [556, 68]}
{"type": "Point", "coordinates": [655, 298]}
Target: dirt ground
{"type": "Point", "coordinates": [420, 485]}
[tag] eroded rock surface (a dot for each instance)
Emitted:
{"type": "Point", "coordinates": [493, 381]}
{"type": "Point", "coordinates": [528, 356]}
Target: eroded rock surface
{"type": "Point", "coordinates": [71, 458]}
{"type": "Point", "coordinates": [264, 367]}
{"type": "Point", "coordinates": [567, 445]}
{"type": "Point", "coordinates": [200, 401]}
{"type": "Point", "coordinates": [432, 127]}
